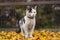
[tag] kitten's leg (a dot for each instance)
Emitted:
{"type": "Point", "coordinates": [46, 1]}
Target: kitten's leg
{"type": "Point", "coordinates": [21, 26]}
{"type": "Point", "coordinates": [22, 31]}
{"type": "Point", "coordinates": [26, 32]}
{"type": "Point", "coordinates": [31, 32]}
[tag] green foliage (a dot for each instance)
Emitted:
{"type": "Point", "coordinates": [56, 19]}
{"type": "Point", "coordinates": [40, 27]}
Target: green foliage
{"type": "Point", "coordinates": [44, 15]}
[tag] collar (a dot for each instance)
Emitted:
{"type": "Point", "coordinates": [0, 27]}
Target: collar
{"type": "Point", "coordinates": [30, 17]}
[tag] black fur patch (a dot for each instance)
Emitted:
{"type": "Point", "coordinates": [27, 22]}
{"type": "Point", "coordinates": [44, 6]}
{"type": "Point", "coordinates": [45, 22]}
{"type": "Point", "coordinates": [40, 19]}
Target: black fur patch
{"type": "Point", "coordinates": [22, 20]}
{"type": "Point", "coordinates": [30, 10]}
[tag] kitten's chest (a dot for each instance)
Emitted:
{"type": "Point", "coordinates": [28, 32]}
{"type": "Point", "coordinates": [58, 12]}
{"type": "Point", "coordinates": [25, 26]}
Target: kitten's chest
{"type": "Point", "coordinates": [30, 23]}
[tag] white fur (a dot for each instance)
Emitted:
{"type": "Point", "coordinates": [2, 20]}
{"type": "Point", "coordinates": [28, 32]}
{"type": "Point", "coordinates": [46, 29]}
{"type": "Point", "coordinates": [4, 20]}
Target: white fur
{"type": "Point", "coordinates": [27, 28]}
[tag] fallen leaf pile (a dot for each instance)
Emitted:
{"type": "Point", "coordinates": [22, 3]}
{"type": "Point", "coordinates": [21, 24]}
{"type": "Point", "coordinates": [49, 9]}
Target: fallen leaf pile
{"type": "Point", "coordinates": [37, 35]}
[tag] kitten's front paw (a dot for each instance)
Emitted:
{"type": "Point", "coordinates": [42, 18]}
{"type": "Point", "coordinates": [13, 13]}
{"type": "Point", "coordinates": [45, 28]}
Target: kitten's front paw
{"type": "Point", "coordinates": [26, 36]}
{"type": "Point", "coordinates": [31, 36]}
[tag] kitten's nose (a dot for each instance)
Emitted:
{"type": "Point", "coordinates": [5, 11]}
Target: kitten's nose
{"type": "Point", "coordinates": [33, 15]}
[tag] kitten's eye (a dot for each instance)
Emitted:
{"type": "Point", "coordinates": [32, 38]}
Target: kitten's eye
{"type": "Point", "coordinates": [34, 12]}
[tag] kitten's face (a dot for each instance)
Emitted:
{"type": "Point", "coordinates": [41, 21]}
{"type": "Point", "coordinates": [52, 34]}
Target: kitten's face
{"type": "Point", "coordinates": [31, 12]}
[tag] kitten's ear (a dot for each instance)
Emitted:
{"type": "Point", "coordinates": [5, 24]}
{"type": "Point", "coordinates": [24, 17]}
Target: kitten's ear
{"type": "Point", "coordinates": [35, 7]}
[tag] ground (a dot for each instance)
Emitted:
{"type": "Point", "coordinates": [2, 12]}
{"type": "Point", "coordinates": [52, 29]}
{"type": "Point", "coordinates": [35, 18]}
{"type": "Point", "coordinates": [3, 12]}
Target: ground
{"type": "Point", "coordinates": [37, 35]}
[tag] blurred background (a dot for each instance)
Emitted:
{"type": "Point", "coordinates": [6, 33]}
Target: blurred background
{"type": "Point", "coordinates": [48, 16]}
